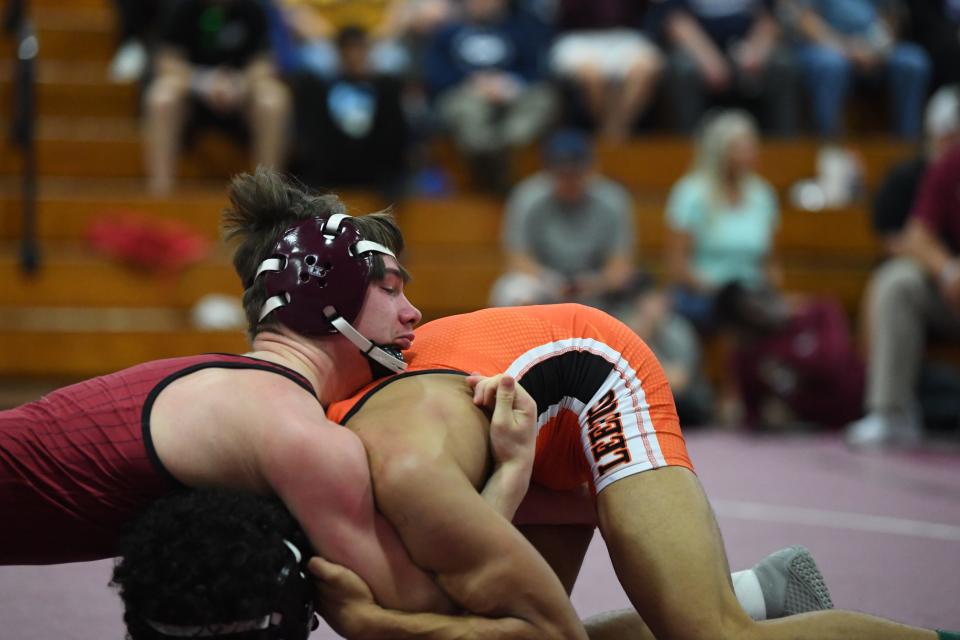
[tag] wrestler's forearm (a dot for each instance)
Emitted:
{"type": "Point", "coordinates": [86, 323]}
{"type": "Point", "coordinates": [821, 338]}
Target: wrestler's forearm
{"type": "Point", "coordinates": [385, 624]}
{"type": "Point", "coordinates": [324, 480]}
{"type": "Point", "coordinates": [506, 487]}
{"type": "Point", "coordinates": [478, 558]}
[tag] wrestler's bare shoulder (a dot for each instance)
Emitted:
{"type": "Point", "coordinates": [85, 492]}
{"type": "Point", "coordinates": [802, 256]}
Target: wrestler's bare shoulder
{"type": "Point", "coordinates": [234, 393]}
{"type": "Point", "coordinates": [410, 399]}
{"type": "Point", "coordinates": [426, 414]}
{"type": "Point", "coordinates": [209, 425]}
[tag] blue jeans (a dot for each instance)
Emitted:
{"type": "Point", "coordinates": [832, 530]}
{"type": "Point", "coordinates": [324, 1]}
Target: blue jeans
{"type": "Point", "coordinates": [695, 306]}
{"type": "Point", "coordinates": [828, 74]}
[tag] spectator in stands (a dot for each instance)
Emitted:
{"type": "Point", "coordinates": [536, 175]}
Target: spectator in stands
{"type": "Point", "coordinates": [647, 310]}
{"type": "Point", "coordinates": [602, 50]}
{"type": "Point", "coordinates": [305, 37]}
{"type": "Point", "coordinates": [568, 232]}
{"type": "Point", "coordinates": [895, 196]}
{"type": "Point", "coordinates": [724, 50]}
{"type": "Point", "coordinates": [405, 31]}
{"type": "Point", "coordinates": [486, 71]}
{"type": "Point", "coordinates": [936, 27]}
{"type": "Point", "coordinates": [843, 40]}
{"type": "Point", "coordinates": [351, 129]}
{"type": "Point", "coordinates": [569, 237]}
{"type": "Point", "coordinates": [135, 20]}
{"type": "Point", "coordinates": [908, 299]}
{"type": "Point", "coordinates": [721, 217]}
{"type": "Point", "coordinates": [302, 38]}
{"type": "Point", "coordinates": [795, 362]}
{"type": "Point", "coordinates": [213, 62]}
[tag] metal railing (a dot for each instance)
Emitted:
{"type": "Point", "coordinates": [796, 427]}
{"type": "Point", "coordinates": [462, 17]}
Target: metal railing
{"type": "Point", "coordinates": [18, 25]}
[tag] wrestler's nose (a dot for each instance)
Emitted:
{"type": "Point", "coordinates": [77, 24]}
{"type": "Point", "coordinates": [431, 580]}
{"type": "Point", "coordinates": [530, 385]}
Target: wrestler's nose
{"type": "Point", "coordinates": [409, 314]}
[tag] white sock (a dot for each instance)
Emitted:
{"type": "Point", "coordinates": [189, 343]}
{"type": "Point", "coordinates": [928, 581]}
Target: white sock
{"type": "Point", "coordinates": [749, 594]}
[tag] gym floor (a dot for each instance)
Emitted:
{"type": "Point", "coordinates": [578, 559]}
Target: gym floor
{"type": "Point", "coordinates": [884, 528]}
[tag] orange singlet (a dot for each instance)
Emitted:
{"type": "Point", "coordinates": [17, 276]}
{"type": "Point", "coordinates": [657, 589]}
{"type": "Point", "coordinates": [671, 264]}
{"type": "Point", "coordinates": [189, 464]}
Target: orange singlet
{"type": "Point", "coordinates": [605, 410]}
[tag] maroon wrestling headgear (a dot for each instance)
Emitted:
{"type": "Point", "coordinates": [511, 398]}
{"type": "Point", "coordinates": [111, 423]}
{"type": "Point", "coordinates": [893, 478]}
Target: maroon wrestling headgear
{"type": "Point", "coordinates": [317, 280]}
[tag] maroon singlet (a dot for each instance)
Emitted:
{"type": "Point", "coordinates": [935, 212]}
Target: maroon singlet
{"type": "Point", "coordinates": [78, 464]}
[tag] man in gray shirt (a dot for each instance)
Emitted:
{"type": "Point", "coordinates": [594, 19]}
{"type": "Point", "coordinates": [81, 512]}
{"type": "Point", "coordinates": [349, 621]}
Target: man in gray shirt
{"type": "Point", "coordinates": [568, 232]}
{"type": "Point", "coordinates": [569, 236]}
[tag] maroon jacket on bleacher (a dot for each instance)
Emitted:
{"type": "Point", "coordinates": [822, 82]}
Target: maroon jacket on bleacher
{"type": "Point", "coordinates": [811, 365]}
{"type": "Point", "coordinates": [78, 464]}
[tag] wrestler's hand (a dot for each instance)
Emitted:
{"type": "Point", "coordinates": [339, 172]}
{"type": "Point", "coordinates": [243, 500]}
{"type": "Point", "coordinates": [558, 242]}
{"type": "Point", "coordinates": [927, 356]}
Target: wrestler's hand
{"type": "Point", "coordinates": [513, 436]}
{"type": "Point", "coordinates": [513, 426]}
{"type": "Point", "coordinates": [343, 599]}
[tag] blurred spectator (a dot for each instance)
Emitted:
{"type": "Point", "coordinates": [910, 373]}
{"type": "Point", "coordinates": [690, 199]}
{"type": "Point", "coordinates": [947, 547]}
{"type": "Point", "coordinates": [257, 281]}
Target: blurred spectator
{"type": "Point", "coordinates": [603, 51]}
{"type": "Point", "coordinates": [936, 27]}
{"type": "Point", "coordinates": [895, 197]}
{"type": "Point", "coordinates": [843, 40]}
{"type": "Point", "coordinates": [213, 61]}
{"type": "Point", "coordinates": [302, 38]}
{"type": "Point", "coordinates": [795, 362]}
{"type": "Point", "coordinates": [569, 237]}
{"type": "Point", "coordinates": [909, 298]}
{"type": "Point", "coordinates": [568, 231]}
{"type": "Point", "coordinates": [722, 217]}
{"type": "Point", "coordinates": [135, 19]}
{"type": "Point", "coordinates": [306, 37]}
{"type": "Point", "coordinates": [351, 129]}
{"type": "Point", "coordinates": [405, 32]}
{"type": "Point", "coordinates": [729, 49]}
{"type": "Point", "coordinates": [675, 342]}
{"type": "Point", "coordinates": [486, 73]}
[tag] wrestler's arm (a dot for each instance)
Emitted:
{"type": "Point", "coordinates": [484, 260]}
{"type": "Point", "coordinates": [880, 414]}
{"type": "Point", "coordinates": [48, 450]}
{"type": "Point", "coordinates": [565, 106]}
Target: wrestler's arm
{"type": "Point", "coordinates": [319, 470]}
{"type": "Point", "coordinates": [477, 557]}
{"type": "Point", "coordinates": [513, 436]}
{"type": "Point", "coordinates": [347, 605]}
{"type": "Point", "coordinates": [505, 489]}
{"type": "Point", "coordinates": [486, 587]}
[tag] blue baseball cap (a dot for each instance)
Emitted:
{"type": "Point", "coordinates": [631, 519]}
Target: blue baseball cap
{"type": "Point", "coordinates": [568, 148]}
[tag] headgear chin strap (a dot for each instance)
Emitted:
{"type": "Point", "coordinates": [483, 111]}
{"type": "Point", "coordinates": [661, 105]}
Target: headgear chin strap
{"type": "Point", "coordinates": [317, 280]}
{"type": "Point", "coordinates": [387, 357]}
{"type": "Point", "coordinates": [293, 617]}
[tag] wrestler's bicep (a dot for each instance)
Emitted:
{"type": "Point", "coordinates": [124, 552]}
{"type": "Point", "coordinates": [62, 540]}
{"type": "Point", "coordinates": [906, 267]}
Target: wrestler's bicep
{"type": "Point", "coordinates": [323, 478]}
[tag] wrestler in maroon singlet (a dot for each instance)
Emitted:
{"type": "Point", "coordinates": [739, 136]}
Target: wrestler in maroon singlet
{"type": "Point", "coordinates": [78, 464]}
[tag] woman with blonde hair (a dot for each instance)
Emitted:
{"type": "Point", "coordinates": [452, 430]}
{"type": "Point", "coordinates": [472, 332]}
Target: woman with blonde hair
{"type": "Point", "coordinates": [721, 217]}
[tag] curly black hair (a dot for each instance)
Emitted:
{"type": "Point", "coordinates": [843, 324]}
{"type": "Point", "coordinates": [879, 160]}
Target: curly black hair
{"type": "Point", "coordinates": [204, 557]}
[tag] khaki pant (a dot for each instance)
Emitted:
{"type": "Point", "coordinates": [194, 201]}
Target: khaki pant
{"type": "Point", "coordinates": [903, 305]}
{"type": "Point", "coordinates": [480, 127]}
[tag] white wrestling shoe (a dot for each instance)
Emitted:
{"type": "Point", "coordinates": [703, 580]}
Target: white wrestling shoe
{"type": "Point", "coordinates": [877, 430]}
{"type": "Point", "coordinates": [791, 583]}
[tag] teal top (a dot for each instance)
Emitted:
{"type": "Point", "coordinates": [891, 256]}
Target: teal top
{"type": "Point", "coordinates": [730, 242]}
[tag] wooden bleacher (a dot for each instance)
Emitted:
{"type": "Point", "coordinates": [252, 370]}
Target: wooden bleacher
{"type": "Point", "coordinates": [83, 314]}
